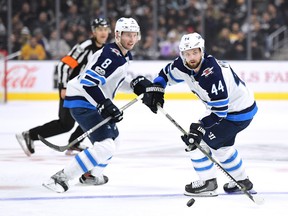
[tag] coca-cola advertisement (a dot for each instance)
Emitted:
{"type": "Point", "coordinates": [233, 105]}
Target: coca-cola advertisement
{"type": "Point", "coordinates": [38, 78]}
{"type": "Point", "coordinates": [30, 76]}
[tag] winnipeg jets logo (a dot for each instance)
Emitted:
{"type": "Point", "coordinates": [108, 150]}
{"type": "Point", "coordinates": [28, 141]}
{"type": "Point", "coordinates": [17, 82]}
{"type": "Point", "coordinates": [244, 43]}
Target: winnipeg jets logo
{"type": "Point", "coordinates": [116, 51]}
{"type": "Point", "coordinates": [207, 72]}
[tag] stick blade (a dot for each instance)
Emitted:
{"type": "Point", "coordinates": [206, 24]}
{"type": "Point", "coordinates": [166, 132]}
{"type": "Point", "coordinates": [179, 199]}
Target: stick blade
{"type": "Point", "coordinates": [51, 145]}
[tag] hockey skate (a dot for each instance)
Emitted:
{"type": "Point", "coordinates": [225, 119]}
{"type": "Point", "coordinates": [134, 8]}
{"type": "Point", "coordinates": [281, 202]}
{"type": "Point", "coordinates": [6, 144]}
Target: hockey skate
{"type": "Point", "coordinates": [231, 187]}
{"type": "Point", "coordinates": [58, 182]}
{"type": "Point", "coordinates": [73, 150]}
{"type": "Point", "coordinates": [89, 179]}
{"type": "Point", "coordinates": [201, 188]}
{"type": "Point", "coordinates": [26, 143]}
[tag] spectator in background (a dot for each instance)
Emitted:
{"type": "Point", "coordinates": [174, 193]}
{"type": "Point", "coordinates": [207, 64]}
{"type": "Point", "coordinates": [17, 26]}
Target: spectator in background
{"type": "Point", "coordinates": [238, 49]}
{"type": "Point", "coordinates": [41, 39]}
{"type": "Point", "coordinates": [234, 33]}
{"type": "Point", "coordinates": [169, 48]}
{"type": "Point", "coordinates": [3, 34]}
{"type": "Point", "coordinates": [43, 23]}
{"type": "Point", "coordinates": [218, 14]}
{"type": "Point", "coordinates": [70, 39]}
{"type": "Point", "coordinates": [276, 20]}
{"type": "Point", "coordinates": [58, 47]}
{"type": "Point", "coordinates": [45, 6]}
{"type": "Point", "coordinates": [26, 16]}
{"type": "Point", "coordinates": [74, 17]}
{"type": "Point", "coordinates": [257, 50]}
{"type": "Point", "coordinates": [32, 51]}
{"type": "Point", "coordinates": [18, 41]}
{"type": "Point", "coordinates": [222, 44]}
{"type": "Point", "coordinates": [147, 50]}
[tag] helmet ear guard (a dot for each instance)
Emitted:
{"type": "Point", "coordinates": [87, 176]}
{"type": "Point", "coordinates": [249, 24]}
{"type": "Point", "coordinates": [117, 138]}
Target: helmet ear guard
{"type": "Point", "coordinates": [126, 25]}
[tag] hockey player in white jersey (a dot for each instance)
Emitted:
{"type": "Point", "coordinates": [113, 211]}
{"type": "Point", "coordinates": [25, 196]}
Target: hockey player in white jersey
{"type": "Point", "coordinates": [89, 97]}
{"type": "Point", "coordinates": [230, 109]}
{"type": "Point", "coordinates": [68, 68]}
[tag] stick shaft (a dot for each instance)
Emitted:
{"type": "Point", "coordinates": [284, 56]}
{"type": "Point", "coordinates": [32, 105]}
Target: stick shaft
{"type": "Point", "coordinates": [87, 133]}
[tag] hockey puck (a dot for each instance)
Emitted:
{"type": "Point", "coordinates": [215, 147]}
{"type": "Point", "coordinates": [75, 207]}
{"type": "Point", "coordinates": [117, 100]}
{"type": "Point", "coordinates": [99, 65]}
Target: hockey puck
{"type": "Point", "coordinates": [190, 202]}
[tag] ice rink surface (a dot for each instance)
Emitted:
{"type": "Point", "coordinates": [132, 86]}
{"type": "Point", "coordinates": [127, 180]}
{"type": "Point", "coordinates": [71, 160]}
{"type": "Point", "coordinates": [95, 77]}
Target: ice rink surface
{"type": "Point", "coordinates": [148, 174]}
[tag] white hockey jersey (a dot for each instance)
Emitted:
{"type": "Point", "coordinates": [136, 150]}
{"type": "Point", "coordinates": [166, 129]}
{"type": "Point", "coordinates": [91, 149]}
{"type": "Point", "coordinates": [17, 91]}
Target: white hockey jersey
{"type": "Point", "coordinates": [224, 94]}
{"type": "Point", "coordinates": [71, 64]}
{"type": "Point", "coordinates": [103, 75]}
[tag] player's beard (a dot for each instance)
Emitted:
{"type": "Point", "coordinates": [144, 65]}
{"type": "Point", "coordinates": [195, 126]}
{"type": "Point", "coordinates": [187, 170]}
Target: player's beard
{"type": "Point", "coordinates": [193, 65]}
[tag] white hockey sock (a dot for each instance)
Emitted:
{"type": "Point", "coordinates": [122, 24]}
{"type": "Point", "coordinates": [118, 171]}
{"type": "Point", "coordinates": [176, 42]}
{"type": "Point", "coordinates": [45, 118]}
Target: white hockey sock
{"type": "Point", "coordinates": [96, 156]}
{"type": "Point", "coordinates": [231, 162]}
{"type": "Point", "coordinates": [98, 170]}
{"type": "Point", "coordinates": [202, 165]}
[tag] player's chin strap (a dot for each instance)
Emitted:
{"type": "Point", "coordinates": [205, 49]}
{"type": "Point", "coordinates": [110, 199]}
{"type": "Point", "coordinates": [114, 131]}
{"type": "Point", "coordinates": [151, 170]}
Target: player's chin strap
{"type": "Point", "coordinates": [87, 133]}
{"type": "Point", "coordinates": [256, 199]}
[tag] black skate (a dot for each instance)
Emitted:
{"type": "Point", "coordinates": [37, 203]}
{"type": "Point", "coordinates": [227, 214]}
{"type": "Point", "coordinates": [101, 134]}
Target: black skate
{"type": "Point", "coordinates": [26, 143]}
{"type": "Point", "coordinates": [201, 188]}
{"type": "Point", "coordinates": [58, 182]}
{"type": "Point", "coordinates": [89, 179]}
{"type": "Point", "coordinates": [231, 187]}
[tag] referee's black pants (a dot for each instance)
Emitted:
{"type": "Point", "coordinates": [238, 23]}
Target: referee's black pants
{"type": "Point", "coordinates": [64, 124]}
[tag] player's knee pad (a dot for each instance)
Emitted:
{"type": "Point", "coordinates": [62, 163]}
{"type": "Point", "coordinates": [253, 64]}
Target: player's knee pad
{"type": "Point", "coordinates": [98, 155]}
{"type": "Point", "coordinates": [224, 153]}
{"type": "Point", "coordinates": [104, 149]}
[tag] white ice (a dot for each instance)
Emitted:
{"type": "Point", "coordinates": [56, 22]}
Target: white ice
{"type": "Point", "coordinates": [148, 174]}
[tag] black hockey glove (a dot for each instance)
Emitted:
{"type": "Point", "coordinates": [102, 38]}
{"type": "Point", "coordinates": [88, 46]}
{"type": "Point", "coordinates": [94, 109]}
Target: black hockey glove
{"type": "Point", "coordinates": [107, 108]}
{"type": "Point", "coordinates": [154, 96]}
{"type": "Point", "coordinates": [195, 135]}
{"type": "Point", "coordinates": [139, 85]}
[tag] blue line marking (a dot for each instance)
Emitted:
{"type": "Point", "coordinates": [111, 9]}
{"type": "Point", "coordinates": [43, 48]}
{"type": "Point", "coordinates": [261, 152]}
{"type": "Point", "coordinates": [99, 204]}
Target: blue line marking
{"type": "Point", "coordinates": [124, 196]}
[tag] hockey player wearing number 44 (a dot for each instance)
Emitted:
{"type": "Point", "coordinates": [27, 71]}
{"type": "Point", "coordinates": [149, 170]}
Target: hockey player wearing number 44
{"type": "Point", "coordinates": [89, 97]}
{"type": "Point", "coordinates": [230, 109]}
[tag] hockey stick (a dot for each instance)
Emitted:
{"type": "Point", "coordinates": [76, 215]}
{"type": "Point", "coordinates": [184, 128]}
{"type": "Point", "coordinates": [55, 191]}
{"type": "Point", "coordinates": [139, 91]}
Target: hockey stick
{"type": "Point", "coordinates": [256, 199]}
{"type": "Point", "coordinates": [87, 133]}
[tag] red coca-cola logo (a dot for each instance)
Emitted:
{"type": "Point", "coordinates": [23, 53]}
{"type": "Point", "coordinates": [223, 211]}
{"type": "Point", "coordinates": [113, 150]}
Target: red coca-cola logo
{"type": "Point", "coordinates": [21, 76]}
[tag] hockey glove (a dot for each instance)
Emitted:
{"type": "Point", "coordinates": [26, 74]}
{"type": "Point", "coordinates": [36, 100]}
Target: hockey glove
{"type": "Point", "coordinates": [195, 135]}
{"type": "Point", "coordinates": [154, 96]}
{"type": "Point", "coordinates": [139, 85]}
{"type": "Point", "coordinates": [107, 108]}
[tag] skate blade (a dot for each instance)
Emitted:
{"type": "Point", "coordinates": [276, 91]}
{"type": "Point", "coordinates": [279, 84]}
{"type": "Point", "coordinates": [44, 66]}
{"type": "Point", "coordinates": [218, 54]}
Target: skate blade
{"type": "Point", "coordinates": [54, 187]}
{"type": "Point", "coordinates": [23, 146]}
{"type": "Point", "coordinates": [241, 192]}
{"type": "Point", "coordinates": [202, 194]}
